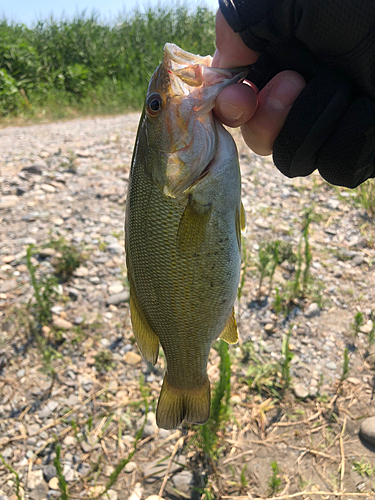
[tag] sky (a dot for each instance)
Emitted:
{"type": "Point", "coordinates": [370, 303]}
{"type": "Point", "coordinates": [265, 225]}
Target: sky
{"type": "Point", "coordinates": [26, 11]}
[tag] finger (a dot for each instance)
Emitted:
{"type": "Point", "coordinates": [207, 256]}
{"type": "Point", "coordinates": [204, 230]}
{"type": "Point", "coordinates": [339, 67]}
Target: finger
{"type": "Point", "coordinates": [236, 104]}
{"type": "Point", "coordinates": [231, 51]}
{"type": "Point", "coordinates": [274, 103]}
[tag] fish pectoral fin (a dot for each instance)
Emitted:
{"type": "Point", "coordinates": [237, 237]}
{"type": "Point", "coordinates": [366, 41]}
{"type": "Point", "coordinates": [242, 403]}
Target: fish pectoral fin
{"type": "Point", "coordinates": [147, 340]}
{"type": "Point", "coordinates": [176, 405]}
{"type": "Point", "coordinates": [229, 334]}
{"type": "Point", "coordinates": [192, 228]}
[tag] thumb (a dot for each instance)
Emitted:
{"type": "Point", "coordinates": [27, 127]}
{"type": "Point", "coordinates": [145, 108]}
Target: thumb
{"type": "Point", "coordinates": [231, 51]}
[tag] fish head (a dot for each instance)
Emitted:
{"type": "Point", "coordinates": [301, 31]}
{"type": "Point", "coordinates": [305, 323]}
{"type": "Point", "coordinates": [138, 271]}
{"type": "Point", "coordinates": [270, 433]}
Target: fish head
{"type": "Point", "coordinates": [180, 127]}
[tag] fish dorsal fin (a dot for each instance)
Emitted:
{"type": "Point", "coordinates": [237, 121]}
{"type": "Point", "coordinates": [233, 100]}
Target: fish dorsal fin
{"type": "Point", "coordinates": [147, 340]}
{"type": "Point", "coordinates": [243, 218]}
{"type": "Point", "coordinates": [192, 228]}
{"type": "Point", "coordinates": [229, 334]}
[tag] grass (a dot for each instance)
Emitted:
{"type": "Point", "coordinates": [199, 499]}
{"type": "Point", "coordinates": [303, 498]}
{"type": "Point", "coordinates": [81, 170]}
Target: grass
{"type": "Point", "coordinates": [207, 439]}
{"type": "Point", "coordinates": [364, 468]}
{"type": "Point", "coordinates": [44, 291]}
{"type": "Point", "coordinates": [104, 361]}
{"type": "Point", "coordinates": [17, 479]}
{"type": "Point", "coordinates": [274, 482]}
{"type": "Point", "coordinates": [345, 365]}
{"type": "Point", "coordinates": [69, 258]}
{"type": "Point", "coordinates": [63, 485]}
{"type": "Point", "coordinates": [62, 67]}
{"type": "Point", "coordinates": [357, 323]}
{"type": "Point", "coordinates": [287, 357]}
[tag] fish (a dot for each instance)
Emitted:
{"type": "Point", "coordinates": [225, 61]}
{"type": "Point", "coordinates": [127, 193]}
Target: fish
{"type": "Point", "coordinates": [183, 222]}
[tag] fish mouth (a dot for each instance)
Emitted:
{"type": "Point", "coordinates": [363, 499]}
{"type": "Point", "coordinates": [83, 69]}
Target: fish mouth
{"type": "Point", "coordinates": [195, 70]}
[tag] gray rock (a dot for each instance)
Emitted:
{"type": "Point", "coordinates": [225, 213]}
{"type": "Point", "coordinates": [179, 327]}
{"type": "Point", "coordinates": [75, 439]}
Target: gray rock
{"type": "Point", "coordinates": [117, 298]}
{"type": "Point", "coordinates": [358, 260]}
{"type": "Point", "coordinates": [7, 285]}
{"type": "Point", "coordinates": [78, 320]}
{"type": "Point", "coordinates": [20, 373]}
{"type": "Point", "coordinates": [331, 365]}
{"type": "Point", "coordinates": [7, 453]}
{"type": "Point", "coordinates": [115, 248]}
{"type": "Point", "coordinates": [87, 384]}
{"type": "Point", "coordinates": [183, 481]}
{"type": "Point", "coordinates": [312, 310]}
{"type": "Point", "coordinates": [83, 468]}
{"type": "Point", "coordinates": [48, 409]}
{"type": "Point", "coordinates": [157, 469]}
{"type": "Point", "coordinates": [73, 293]}
{"type": "Point", "coordinates": [37, 485]}
{"type": "Point", "coordinates": [300, 391]}
{"type": "Point", "coordinates": [367, 430]}
{"type": "Point", "coordinates": [36, 168]}
{"type": "Point", "coordinates": [49, 471]}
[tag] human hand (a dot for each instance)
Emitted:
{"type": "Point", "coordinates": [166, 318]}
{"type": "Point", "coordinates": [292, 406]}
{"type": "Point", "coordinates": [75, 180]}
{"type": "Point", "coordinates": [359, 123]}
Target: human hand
{"type": "Point", "coordinates": [261, 115]}
{"type": "Point", "coordinates": [326, 123]}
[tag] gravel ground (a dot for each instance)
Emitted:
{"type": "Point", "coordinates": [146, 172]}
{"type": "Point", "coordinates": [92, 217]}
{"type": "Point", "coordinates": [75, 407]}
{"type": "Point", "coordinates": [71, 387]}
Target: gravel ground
{"type": "Point", "coordinates": [81, 382]}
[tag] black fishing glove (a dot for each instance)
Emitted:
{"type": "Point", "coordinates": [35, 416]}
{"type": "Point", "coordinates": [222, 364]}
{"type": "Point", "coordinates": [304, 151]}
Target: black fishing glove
{"type": "Point", "coordinates": [331, 43]}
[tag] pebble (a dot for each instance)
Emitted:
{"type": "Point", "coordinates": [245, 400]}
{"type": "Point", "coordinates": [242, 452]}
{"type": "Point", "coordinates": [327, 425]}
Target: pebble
{"type": "Point", "coordinates": [8, 201]}
{"type": "Point", "coordinates": [53, 483]}
{"type": "Point", "coordinates": [137, 492]}
{"type": "Point", "coordinates": [62, 324]}
{"type": "Point", "coordinates": [183, 481]}
{"type": "Point", "coordinates": [69, 440]}
{"type": "Point", "coordinates": [130, 467]}
{"type": "Point", "coordinates": [331, 365]}
{"type": "Point", "coordinates": [115, 288]}
{"type": "Point", "coordinates": [118, 298]}
{"type": "Point", "coordinates": [81, 272]}
{"type": "Point", "coordinates": [300, 391]}
{"type": "Point", "coordinates": [367, 430]}
{"type": "Point", "coordinates": [48, 409]}
{"type": "Point", "coordinates": [48, 188]}
{"type": "Point", "coordinates": [312, 310]}
{"type": "Point", "coordinates": [132, 358]}
{"type": "Point", "coordinates": [49, 472]}
{"type": "Point", "coordinates": [37, 485]}
{"type": "Point", "coordinates": [358, 260]}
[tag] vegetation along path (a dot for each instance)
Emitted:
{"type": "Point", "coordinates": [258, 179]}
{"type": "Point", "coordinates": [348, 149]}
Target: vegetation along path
{"type": "Point", "coordinates": [77, 401]}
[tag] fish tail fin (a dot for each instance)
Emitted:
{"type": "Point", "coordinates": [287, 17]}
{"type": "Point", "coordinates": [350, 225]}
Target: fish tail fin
{"type": "Point", "coordinates": [176, 405]}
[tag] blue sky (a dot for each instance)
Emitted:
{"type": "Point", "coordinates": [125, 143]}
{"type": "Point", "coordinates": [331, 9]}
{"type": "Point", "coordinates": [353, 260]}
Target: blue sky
{"type": "Point", "coordinates": [26, 11]}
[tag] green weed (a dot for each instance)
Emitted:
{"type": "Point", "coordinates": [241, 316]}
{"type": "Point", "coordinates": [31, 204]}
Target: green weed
{"type": "Point", "coordinates": [17, 479]}
{"type": "Point", "coordinates": [363, 468]}
{"type": "Point", "coordinates": [371, 335]}
{"type": "Point", "coordinates": [274, 481]}
{"type": "Point", "coordinates": [63, 485]}
{"type": "Point", "coordinates": [69, 259]}
{"type": "Point", "coordinates": [207, 438]}
{"type": "Point", "coordinates": [243, 478]}
{"type": "Point", "coordinates": [44, 292]}
{"type": "Point", "coordinates": [268, 259]}
{"type": "Point", "coordinates": [357, 323]}
{"type": "Point", "coordinates": [366, 196]}
{"type": "Point", "coordinates": [345, 365]}
{"type": "Point", "coordinates": [104, 361]}
{"type": "Point", "coordinates": [287, 357]}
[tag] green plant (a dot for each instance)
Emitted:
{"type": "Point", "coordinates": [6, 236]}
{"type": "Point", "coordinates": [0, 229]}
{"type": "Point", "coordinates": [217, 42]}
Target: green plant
{"type": "Point", "coordinates": [268, 258]}
{"type": "Point", "coordinates": [365, 196]}
{"type": "Point", "coordinates": [274, 481]}
{"type": "Point", "coordinates": [44, 292]}
{"type": "Point", "coordinates": [69, 259]}
{"type": "Point", "coordinates": [357, 323]}
{"type": "Point", "coordinates": [287, 357]}
{"type": "Point", "coordinates": [104, 361]}
{"type": "Point", "coordinates": [371, 335]}
{"type": "Point", "coordinates": [17, 479]}
{"type": "Point", "coordinates": [345, 365]}
{"type": "Point", "coordinates": [63, 485]}
{"type": "Point", "coordinates": [243, 478]}
{"type": "Point", "coordinates": [207, 437]}
{"type": "Point", "coordinates": [364, 468]}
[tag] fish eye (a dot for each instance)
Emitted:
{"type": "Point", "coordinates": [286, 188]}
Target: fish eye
{"type": "Point", "coordinates": [154, 104]}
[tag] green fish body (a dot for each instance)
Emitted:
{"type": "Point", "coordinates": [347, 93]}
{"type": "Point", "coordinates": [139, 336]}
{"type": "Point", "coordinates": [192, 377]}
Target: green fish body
{"type": "Point", "coordinates": [183, 239]}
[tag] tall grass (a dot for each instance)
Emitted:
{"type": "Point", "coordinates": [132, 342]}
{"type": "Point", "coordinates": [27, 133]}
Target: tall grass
{"type": "Point", "coordinates": [91, 65]}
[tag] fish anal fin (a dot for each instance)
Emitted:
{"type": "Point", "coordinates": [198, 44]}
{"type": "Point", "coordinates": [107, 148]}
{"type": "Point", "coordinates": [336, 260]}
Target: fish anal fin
{"type": "Point", "coordinates": [147, 340]}
{"type": "Point", "coordinates": [192, 228]}
{"type": "Point", "coordinates": [176, 405]}
{"type": "Point", "coordinates": [229, 334]}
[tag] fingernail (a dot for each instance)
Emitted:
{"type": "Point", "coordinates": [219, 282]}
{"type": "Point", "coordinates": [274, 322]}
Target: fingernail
{"type": "Point", "coordinates": [216, 59]}
{"type": "Point", "coordinates": [283, 94]}
{"type": "Point", "coordinates": [229, 111]}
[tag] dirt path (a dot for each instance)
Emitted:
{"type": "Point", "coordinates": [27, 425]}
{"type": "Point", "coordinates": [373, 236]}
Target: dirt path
{"type": "Point", "coordinates": [81, 382]}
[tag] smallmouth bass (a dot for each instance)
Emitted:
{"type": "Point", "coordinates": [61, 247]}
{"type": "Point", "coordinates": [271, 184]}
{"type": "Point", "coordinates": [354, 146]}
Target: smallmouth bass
{"type": "Point", "coordinates": [183, 230]}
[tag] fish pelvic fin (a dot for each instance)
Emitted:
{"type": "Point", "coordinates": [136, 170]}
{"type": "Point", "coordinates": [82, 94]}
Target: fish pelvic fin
{"type": "Point", "coordinates": [230, 334]}
{"type": "Point", "coordinates": [176, 405]}
{"type": "Point", "coordinates": [147, 340]}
